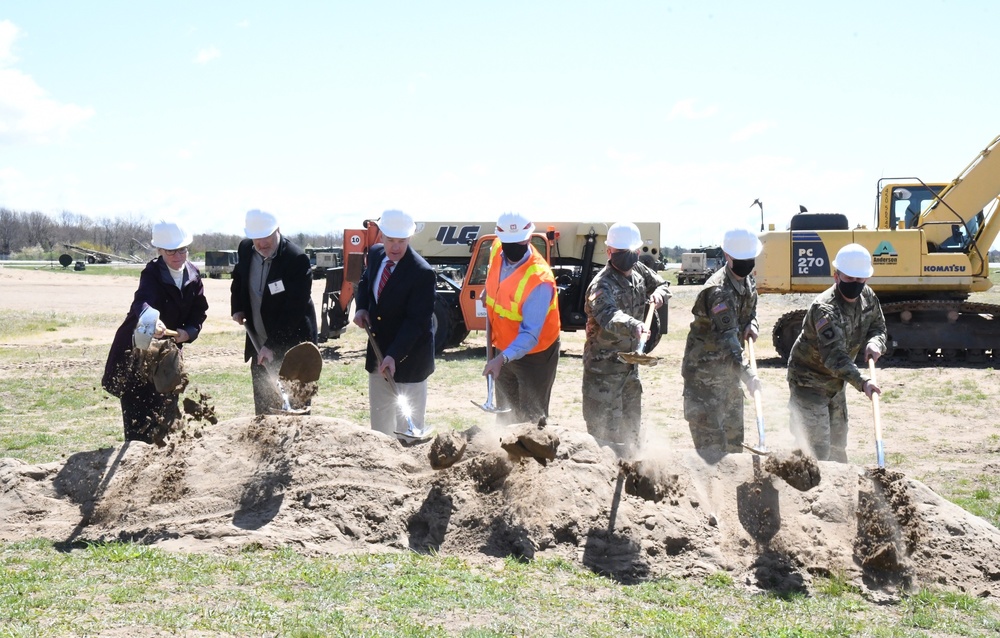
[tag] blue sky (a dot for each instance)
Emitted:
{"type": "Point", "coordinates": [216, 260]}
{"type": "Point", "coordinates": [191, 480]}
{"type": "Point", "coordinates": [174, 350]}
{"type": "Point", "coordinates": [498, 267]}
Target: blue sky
{"type": "Point", "coordinates": [326, 113]}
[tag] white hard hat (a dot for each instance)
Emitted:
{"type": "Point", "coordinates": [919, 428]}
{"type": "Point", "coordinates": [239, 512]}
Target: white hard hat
{"type": "Point", "coordinates": [169, 236]}
{"type": "Point", "coordinates": [396, 224]}
{"type": "Point", "coordinates": [854, 260]}
{"type": "Point", "coordinates": [260, 224]}
{"type": "Point", "coordinates": [624, 236]}
{"type": "Point", "coordinates": [740, 243]}
{"type": "Point", "coordinates": [513, 228]}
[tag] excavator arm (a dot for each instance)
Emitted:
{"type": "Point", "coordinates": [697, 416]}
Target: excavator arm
{"type": "Point", "coordinates": [966, 208]}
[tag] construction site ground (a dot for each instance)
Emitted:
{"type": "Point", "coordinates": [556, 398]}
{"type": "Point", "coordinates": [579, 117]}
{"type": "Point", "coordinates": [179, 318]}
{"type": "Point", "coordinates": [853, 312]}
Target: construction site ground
{"type": "Point", "coordinates": [325, 483]}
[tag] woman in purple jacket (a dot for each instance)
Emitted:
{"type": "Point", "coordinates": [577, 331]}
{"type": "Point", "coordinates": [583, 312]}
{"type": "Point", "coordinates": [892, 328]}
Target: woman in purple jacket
{"type": "Point", "coordinates": [171, 285]}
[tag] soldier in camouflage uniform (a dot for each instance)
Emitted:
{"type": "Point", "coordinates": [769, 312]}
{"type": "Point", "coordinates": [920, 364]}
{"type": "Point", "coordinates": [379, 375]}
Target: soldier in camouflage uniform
{"type": "Point", "coordinates": [840, 321]}
{"type": "Point", "coordinates": [725, 316]}
{"type": "Point", "coordinates": [616, 310]}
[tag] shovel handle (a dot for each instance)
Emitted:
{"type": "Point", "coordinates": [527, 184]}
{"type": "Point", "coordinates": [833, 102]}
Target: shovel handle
{"type": "Point", "coordinates": [876, 417]}
{"type": "Point", "coordinates": [378, 358]}
{"type": "Point", "coordinates": [648, 323]}
{"type": "Point", "coordinates": [757, 400]}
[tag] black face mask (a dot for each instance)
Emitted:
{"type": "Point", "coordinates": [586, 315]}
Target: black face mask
{"type": "Point", "coordinates": [623, 260]}
{"type": "Point", "coordinates": [851, 289]}
{"type": "Point", "coordinates": [743, 267]}
{"type": "Point", "coordinates": [514, 252]}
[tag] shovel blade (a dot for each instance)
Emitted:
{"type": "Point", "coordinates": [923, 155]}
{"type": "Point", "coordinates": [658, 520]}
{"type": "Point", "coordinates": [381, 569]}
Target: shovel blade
{"type": "Point", "coordinates": [637, 358]}
{"type": "Point", "coordinates": [145, 328]}
{"type": "Point", "coordinates": [492, 409]}
{"type": "Point", "coordinates": [303, 363]}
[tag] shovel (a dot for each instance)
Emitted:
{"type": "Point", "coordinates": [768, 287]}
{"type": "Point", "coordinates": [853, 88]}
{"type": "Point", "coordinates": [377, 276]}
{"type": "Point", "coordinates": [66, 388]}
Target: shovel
{"type": "Point", "coordinates": [413, 434]}
{"type": "Point", "coordinates": [145, 329]}
{"type": "Point", "coordinates": [879, 450]}
{"type": "Point", "coordinates": [490, 405]}
{"type": "Point", "coordinates": [757, 406]}
{"type": "Point", "coordinates": [286, 407]}
{"type": "Point", "coordinates": [639, 357]}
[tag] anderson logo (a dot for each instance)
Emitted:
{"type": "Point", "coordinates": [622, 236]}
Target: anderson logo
{"type": "Point", "coordinates": [949, 268]}
{"type": "Point", "coordinates": [885, 249]}
{"type": "Point", "coordinates": [885, 255]}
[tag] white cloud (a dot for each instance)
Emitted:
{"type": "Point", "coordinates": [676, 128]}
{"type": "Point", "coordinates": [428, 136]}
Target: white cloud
{"type": "Point", "coordinates": [27, 113]}
{"type": "Point", "coordinates": [207, 55]}
{"type": "Point", "coordinates": [752, 130]}
{"type": "Point", "coordinates": [686, 110]}
{"type": "Point", "coordinates": [244, 23]}
{"type": "Point", "coordinates": [8, 33]}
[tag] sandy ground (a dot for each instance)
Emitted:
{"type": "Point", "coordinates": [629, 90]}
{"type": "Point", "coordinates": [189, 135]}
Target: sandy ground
{"type": "Point", "coordinates": [325, 485]}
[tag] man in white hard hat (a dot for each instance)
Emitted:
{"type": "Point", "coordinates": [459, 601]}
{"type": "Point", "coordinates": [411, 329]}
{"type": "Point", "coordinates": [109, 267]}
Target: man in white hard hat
{"type": "Point", "coordinates": [725, 318]}
{"type": "Point", "coordinates": [616, 308]}
{"type": "Point", "coordinates": [271, 295]}
{"type": "Point", "coordinates": [523, 313]}
{"type": "Point", "coordinates": [839, 323]}
{"type": "Point", "coordinates": [172, 294]}
{"type": "Point", "coordinates": [395, 298]}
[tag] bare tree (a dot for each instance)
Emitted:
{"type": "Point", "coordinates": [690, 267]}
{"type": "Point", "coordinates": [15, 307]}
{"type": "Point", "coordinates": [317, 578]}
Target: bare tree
{"type": "Point", "coordinates": [11, 227]}
{"type": "Point", "coordinates": [40, 230]}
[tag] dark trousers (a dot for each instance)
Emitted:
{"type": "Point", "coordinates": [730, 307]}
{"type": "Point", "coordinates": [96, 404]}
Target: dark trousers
{"type": "Point", "coordinates": [266, 399]}
{"type": "Point", "coordinates": [525, 386]}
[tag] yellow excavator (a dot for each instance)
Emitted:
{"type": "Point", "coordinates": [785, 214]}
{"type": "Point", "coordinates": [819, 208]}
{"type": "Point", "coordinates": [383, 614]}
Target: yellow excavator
{"type": "Point", "coordinates": [930, 249]}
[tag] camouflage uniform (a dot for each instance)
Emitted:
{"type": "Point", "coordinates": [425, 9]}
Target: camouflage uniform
{"type": "Point", "coordinates": [612, 393]}
{"type": "Point", "coordinates": [713, 362]}
{"type": "Point", "coordinates": [821, 363]}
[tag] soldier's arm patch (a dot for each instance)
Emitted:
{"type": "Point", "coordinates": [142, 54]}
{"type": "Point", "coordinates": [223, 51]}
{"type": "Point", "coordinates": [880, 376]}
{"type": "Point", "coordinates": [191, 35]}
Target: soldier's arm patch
{"type": "Point", "coordinates": [828, 334]}
{"type": "Point", "coordinates": [719, 307]}
{"type": "Point", "coordinates": [823, 321]}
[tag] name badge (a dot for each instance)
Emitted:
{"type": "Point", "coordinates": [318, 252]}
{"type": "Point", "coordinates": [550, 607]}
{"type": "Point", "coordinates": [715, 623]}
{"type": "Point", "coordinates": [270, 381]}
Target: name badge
{"type": "Point", "coordinates": [276, 286]}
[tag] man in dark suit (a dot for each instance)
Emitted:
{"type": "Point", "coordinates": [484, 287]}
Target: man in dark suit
{"type": "Point", "coordinates": [271, 295]}
{"type": "Point", "coordinates": [395, 298]}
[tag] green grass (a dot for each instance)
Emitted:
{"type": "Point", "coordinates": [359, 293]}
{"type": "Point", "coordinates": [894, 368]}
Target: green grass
{"type": "Point", "coordinates": [15, 324]}
{"type": "Point", "coordinates": [981, 496]}
{"type": "Point", "coordinates": [51, 405]}
{"type": "Point", "coordinates": [110, 587]}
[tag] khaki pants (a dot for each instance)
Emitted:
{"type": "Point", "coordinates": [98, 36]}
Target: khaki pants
{"type": "Point", "coordinates": [386, 415]}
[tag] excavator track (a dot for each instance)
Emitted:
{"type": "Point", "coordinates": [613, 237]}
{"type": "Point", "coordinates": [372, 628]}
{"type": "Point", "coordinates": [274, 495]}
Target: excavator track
{"type": "Point", "coordinates": [941, 332]}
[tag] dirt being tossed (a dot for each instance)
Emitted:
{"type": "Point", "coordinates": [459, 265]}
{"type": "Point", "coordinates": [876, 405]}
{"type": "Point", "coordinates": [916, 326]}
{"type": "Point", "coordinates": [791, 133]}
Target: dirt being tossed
{"type": "Point", "coordinates": [323, 485]}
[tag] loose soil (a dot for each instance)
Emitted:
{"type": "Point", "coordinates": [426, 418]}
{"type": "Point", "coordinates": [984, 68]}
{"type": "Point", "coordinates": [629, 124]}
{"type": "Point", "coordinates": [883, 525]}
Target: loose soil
{"type": "Point", "coordinates": [324, 484]}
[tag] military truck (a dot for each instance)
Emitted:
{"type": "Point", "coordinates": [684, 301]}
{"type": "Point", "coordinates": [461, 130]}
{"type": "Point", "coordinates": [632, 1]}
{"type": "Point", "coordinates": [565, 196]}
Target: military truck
{"type": "Point", "coordinates": [574, 249]}
{"type": "Point", "coordinates": [220, 262]}
{"type": "Point", "coordinates": [699, 264]}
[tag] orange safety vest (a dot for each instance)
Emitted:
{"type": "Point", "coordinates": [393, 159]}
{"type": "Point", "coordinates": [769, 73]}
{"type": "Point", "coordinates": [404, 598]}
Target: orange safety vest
{"type": "Point", "coordinates": [504, 299]}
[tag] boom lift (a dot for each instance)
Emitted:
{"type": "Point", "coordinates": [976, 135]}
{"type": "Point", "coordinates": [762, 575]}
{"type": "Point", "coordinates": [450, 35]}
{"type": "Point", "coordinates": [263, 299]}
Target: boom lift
{"type": "Point", "coordinates": [459, 254]}
{"type": "Point", "coordinates": [930, 250]}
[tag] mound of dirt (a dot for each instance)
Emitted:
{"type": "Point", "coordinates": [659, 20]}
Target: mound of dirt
{"type": "Point", "coordinates": [327, 486]}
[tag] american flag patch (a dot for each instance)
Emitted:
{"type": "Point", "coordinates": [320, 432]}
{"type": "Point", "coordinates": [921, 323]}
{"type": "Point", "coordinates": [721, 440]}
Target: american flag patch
{"type": "Point", "coordinates": [822, 322]}
{"type": "Point", "coordinates": [719, 308]}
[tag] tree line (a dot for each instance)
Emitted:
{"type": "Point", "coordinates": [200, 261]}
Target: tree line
{"type": "Point", "coordinates": [36, 235]}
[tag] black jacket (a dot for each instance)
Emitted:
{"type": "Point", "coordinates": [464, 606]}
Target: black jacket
{"type": "Point", "coordinates": [179, 308]}
{"type": "Point", "coordinates": [401, 319]}
{"type": "Point", "coordinates": [289, 316]}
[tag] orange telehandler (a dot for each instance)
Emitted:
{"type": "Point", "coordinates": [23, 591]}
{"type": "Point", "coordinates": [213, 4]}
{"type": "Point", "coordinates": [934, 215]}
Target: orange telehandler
{"type": "Point", "coordinates": [459, 254]}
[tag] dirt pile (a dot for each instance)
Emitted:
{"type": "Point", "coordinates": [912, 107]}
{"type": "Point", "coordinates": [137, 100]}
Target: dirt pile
{"type": "Point", "coordinates": [327, 486]}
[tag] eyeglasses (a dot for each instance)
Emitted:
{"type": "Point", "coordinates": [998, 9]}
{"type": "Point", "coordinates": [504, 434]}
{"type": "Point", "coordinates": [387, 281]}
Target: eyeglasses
{"type": "Point", "coordinates": [176, 251]}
